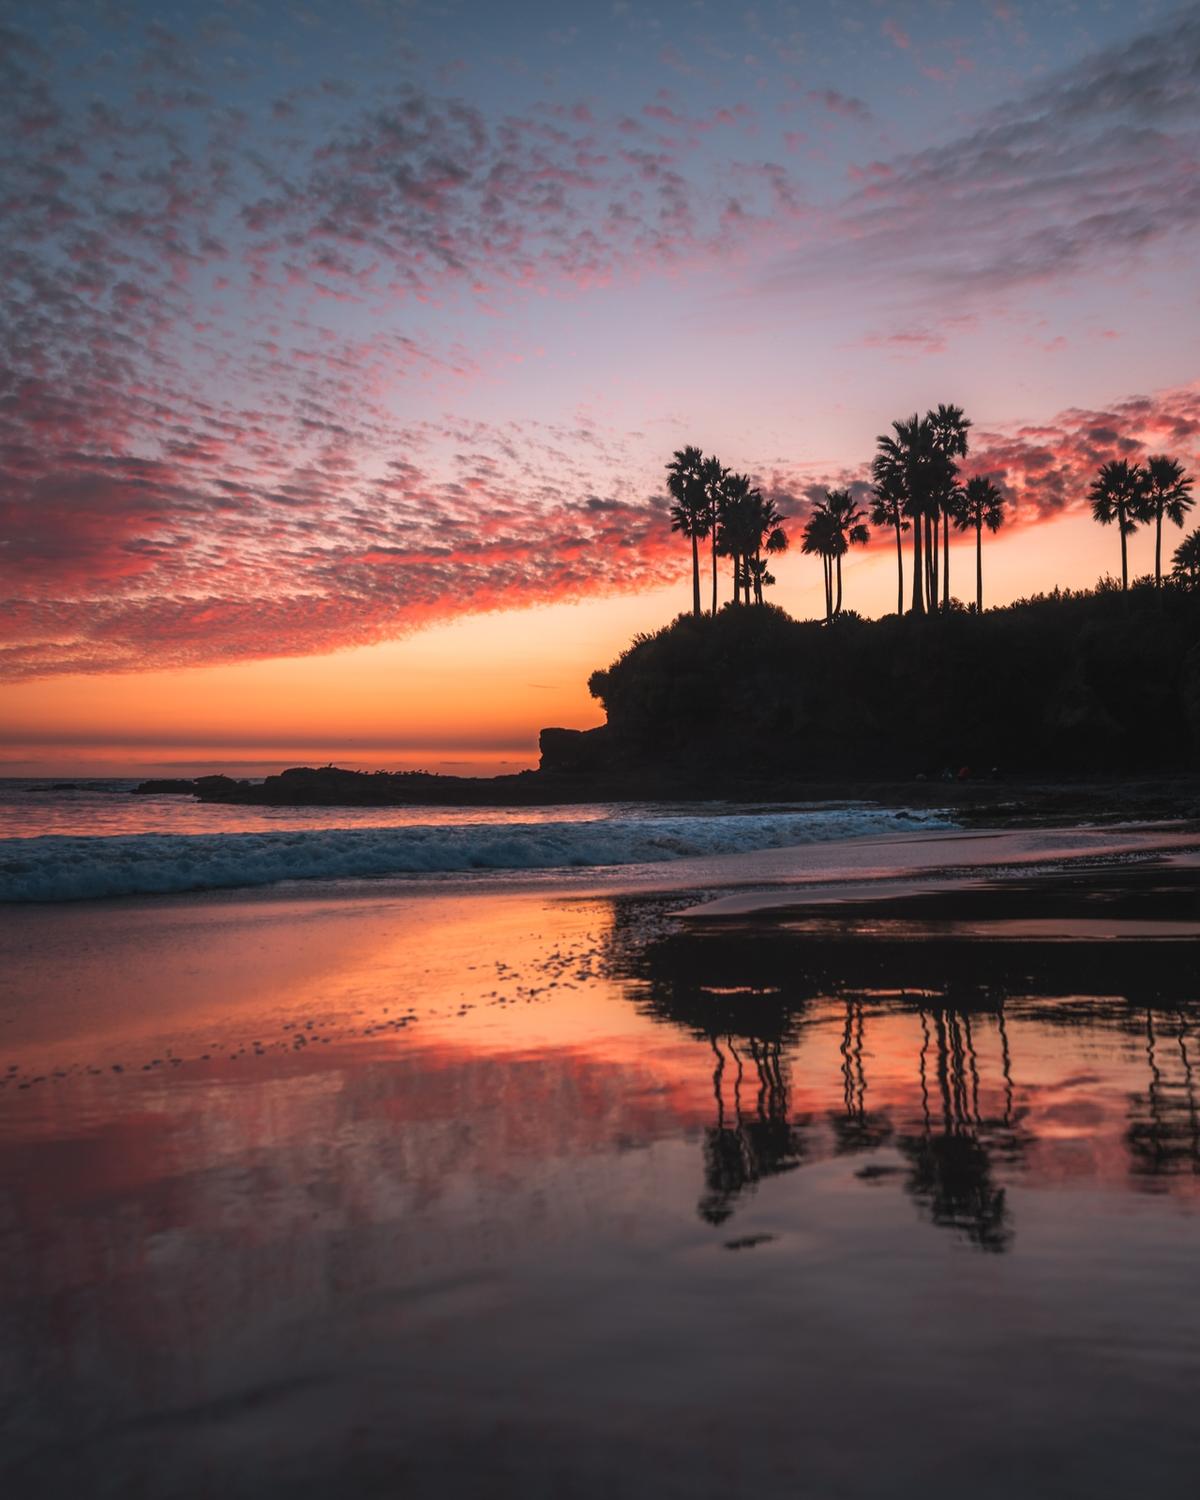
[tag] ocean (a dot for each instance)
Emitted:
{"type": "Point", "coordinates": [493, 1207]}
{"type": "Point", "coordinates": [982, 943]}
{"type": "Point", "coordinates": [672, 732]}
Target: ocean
{"type": "Point", "coordinates": [98, 838]}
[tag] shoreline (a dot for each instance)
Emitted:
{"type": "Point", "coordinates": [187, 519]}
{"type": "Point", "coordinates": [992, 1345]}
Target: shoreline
{"type": "Point", "coordinates": [873, 863]}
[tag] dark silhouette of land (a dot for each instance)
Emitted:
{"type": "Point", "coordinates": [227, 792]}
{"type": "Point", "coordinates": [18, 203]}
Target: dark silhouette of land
{"type": "Point", "coordinates": [744, 702]}
{"type": "Point", "coordinates": [1077, 703]}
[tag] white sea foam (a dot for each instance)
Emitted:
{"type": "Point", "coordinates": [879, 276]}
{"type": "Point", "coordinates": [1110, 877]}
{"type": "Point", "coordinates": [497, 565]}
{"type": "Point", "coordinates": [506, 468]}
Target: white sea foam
{"type": "Point", "coordinates": [69, 868]}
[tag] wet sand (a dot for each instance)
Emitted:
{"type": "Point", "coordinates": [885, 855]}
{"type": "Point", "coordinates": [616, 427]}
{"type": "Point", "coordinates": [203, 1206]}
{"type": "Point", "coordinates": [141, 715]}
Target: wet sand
{"type": "Point", "coordinates": [485, 1189]}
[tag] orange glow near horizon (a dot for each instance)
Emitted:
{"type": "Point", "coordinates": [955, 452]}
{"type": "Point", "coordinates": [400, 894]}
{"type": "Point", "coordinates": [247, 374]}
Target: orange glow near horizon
{"type": "Point", "coordinates": [468, 696]}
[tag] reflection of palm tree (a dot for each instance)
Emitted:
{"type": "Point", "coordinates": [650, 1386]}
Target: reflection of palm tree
{"type": "Point", "coordinates": [759, 1144]}
{"type": "Point", "coordinates": [857, 1128]}
{"type": "Point", "coordinates": [951, 1171]}
{"type": "Point", "coordinates": [1164, 1130]}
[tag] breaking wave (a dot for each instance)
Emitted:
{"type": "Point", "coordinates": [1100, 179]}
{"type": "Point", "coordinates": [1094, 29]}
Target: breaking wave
{"type": "Point", "coordinates": [67, 868]}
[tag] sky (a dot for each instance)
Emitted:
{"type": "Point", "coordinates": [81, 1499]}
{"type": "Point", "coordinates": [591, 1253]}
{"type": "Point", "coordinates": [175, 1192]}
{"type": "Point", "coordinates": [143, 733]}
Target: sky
{"type": "Point", "coordinates": [343, 345]}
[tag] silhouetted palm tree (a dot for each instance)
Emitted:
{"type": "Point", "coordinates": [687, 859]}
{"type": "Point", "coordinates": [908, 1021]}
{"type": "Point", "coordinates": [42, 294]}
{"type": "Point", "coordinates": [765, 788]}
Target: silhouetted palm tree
{"type": "Point", "coordinates": [750, 523]}
{"type": "Point", "coordinates": [821, 539]}
{"type": "Point", "coordinates": [1118, 493]}
{"type": "Point", "coordinates": [760, 576]}
{"type": "Point", "coordinates": [850, 523]}
{"type": "Point", "coordinates": [775, 543]}
{"type": "Point", "coordinates": [981, 504]}
{"type": "Point", "coordinates": [1169, 493]}
{"type": "Point", "coordinates": [950, 436]}
{"type": "Point", "coordinates": [689, 510]}
{"type": "Point", "coordinates": [1186, 562]}
{"type": "Point", "coordinates": [714, 477]}
{"type": "Point", "coordinates": [888, 510]}
{"type": "Point", "coordinates": [913, 461]}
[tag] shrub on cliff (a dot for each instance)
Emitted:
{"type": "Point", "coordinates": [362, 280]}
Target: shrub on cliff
{"type": "Point", "coordinates": [1070, 682]}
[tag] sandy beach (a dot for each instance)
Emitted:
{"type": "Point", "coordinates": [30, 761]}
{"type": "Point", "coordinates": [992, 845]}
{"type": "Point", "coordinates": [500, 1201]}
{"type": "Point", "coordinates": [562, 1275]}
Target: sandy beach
{"type": "Point", "coordinates": [541, 1187]}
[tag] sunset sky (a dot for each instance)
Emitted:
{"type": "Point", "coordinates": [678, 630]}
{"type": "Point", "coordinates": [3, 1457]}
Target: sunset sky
{"type": "Point", "coordinates": [342, 346]}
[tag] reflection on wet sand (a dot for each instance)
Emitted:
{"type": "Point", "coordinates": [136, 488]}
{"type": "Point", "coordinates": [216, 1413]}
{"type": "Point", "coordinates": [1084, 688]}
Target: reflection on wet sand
{"type": "Point", "coordinates": [956, 1128]}
{"type": "Point", "coordinates": [481, 1254]}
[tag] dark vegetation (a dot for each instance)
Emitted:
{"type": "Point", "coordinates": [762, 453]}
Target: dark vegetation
{"type": "Point", "coordinates": [1065, 684]}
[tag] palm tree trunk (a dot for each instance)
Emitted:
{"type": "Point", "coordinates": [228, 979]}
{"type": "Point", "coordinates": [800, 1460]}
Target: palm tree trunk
{"type": "Point", "coordinates": [695, 575]}
{"type": "Point", "coordinates": [714, 566]}
{"type": "Point", "coordinates": [946, 560]}
{"type": "Point", "coordinates": [1124, 549]}
{"type": "Point", "coordinates": [837, 608]}
{"type": "Point", "coordinates": [979, 567]}
{"type": "Point", "coordinates": [1158, 548]}
{"type": "Point", "coordinates": [899, 570]}
{"type": "Point", "coordinates": [918, 597]}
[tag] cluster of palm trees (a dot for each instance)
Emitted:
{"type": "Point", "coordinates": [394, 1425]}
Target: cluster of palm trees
{"type": "Point", "coordinates": [710, 503]}
{"type": "Point", "coordinates": [1132, 495]}
{"type": "Point", "coordinates": [916, 488]}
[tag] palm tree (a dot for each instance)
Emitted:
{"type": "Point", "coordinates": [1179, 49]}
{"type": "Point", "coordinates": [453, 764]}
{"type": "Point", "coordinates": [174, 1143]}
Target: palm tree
{"type": "Point", "coordinates": [1169, 493]}
{"type": "Point", "coordinates": [1118, 493]}
{"type": "Point", "coordinates": [950, 436]}
{"type": "Point", "coordinates": [734, 530]}
{"type": "Point", "coordinates": [776, 542]}
{"type": "Point", "coordinates": [913, 462]}
{"type": "Point", "coordinates": [760, 576]}
{"type": "Point", "coordinates": [834, 526]}
{"type": "Point", "coordinates": [714, 477]}
{"type": "Point", "coordinates": [750, 522]}
{"type": "Point", "coordinates": [821, 539]}
{"type": "Point", "coordinates": [1186, 562]}
{"type": "Point", "coordinates": [888, 510]}
{"type": "Point", "coordinates": [689, 509]}
{"type": "Point", "coordinates": [849, 521]}
{"type": "Point", "coordinates": [981, 504]}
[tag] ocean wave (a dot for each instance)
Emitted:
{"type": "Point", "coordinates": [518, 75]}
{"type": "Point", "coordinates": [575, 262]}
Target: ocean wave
{"type": "Point", "coordinates": [56, 867]}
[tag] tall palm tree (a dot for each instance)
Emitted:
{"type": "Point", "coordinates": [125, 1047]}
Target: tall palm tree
{"type": "Point", "coordinates": [850, 524]}
{"type": "Point", "coordinates": [775, 542]}
{"type": "Point", "coordinates": [1169, 493]}
{"type": "Point", "coordinates": [750, 522]}
{"type": "Point", "coordinates": [1118, 493]}
{"type": "Point", "coordinates": [888, 510]}
{"type": "Point", "coordinates": [981, 504]}
{"type": "Point", "coordinates": [820, 538]}
{"type": "Point", "coordinates": [689, 507]}
{"type": "Point", "coordinates": [911, 460]}
{"type": "Point", "coordinates": [714, 477]}
{"type": "Point", "coordinates": [734, 530]}
{"type": "Point", "coordinates": [1186, 562]}
{"type": "Point", "coordinates": [950, 427]}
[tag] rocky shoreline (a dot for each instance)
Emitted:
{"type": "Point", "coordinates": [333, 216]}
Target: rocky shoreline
{"type": "Point", "coordinates": [999, 803]}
